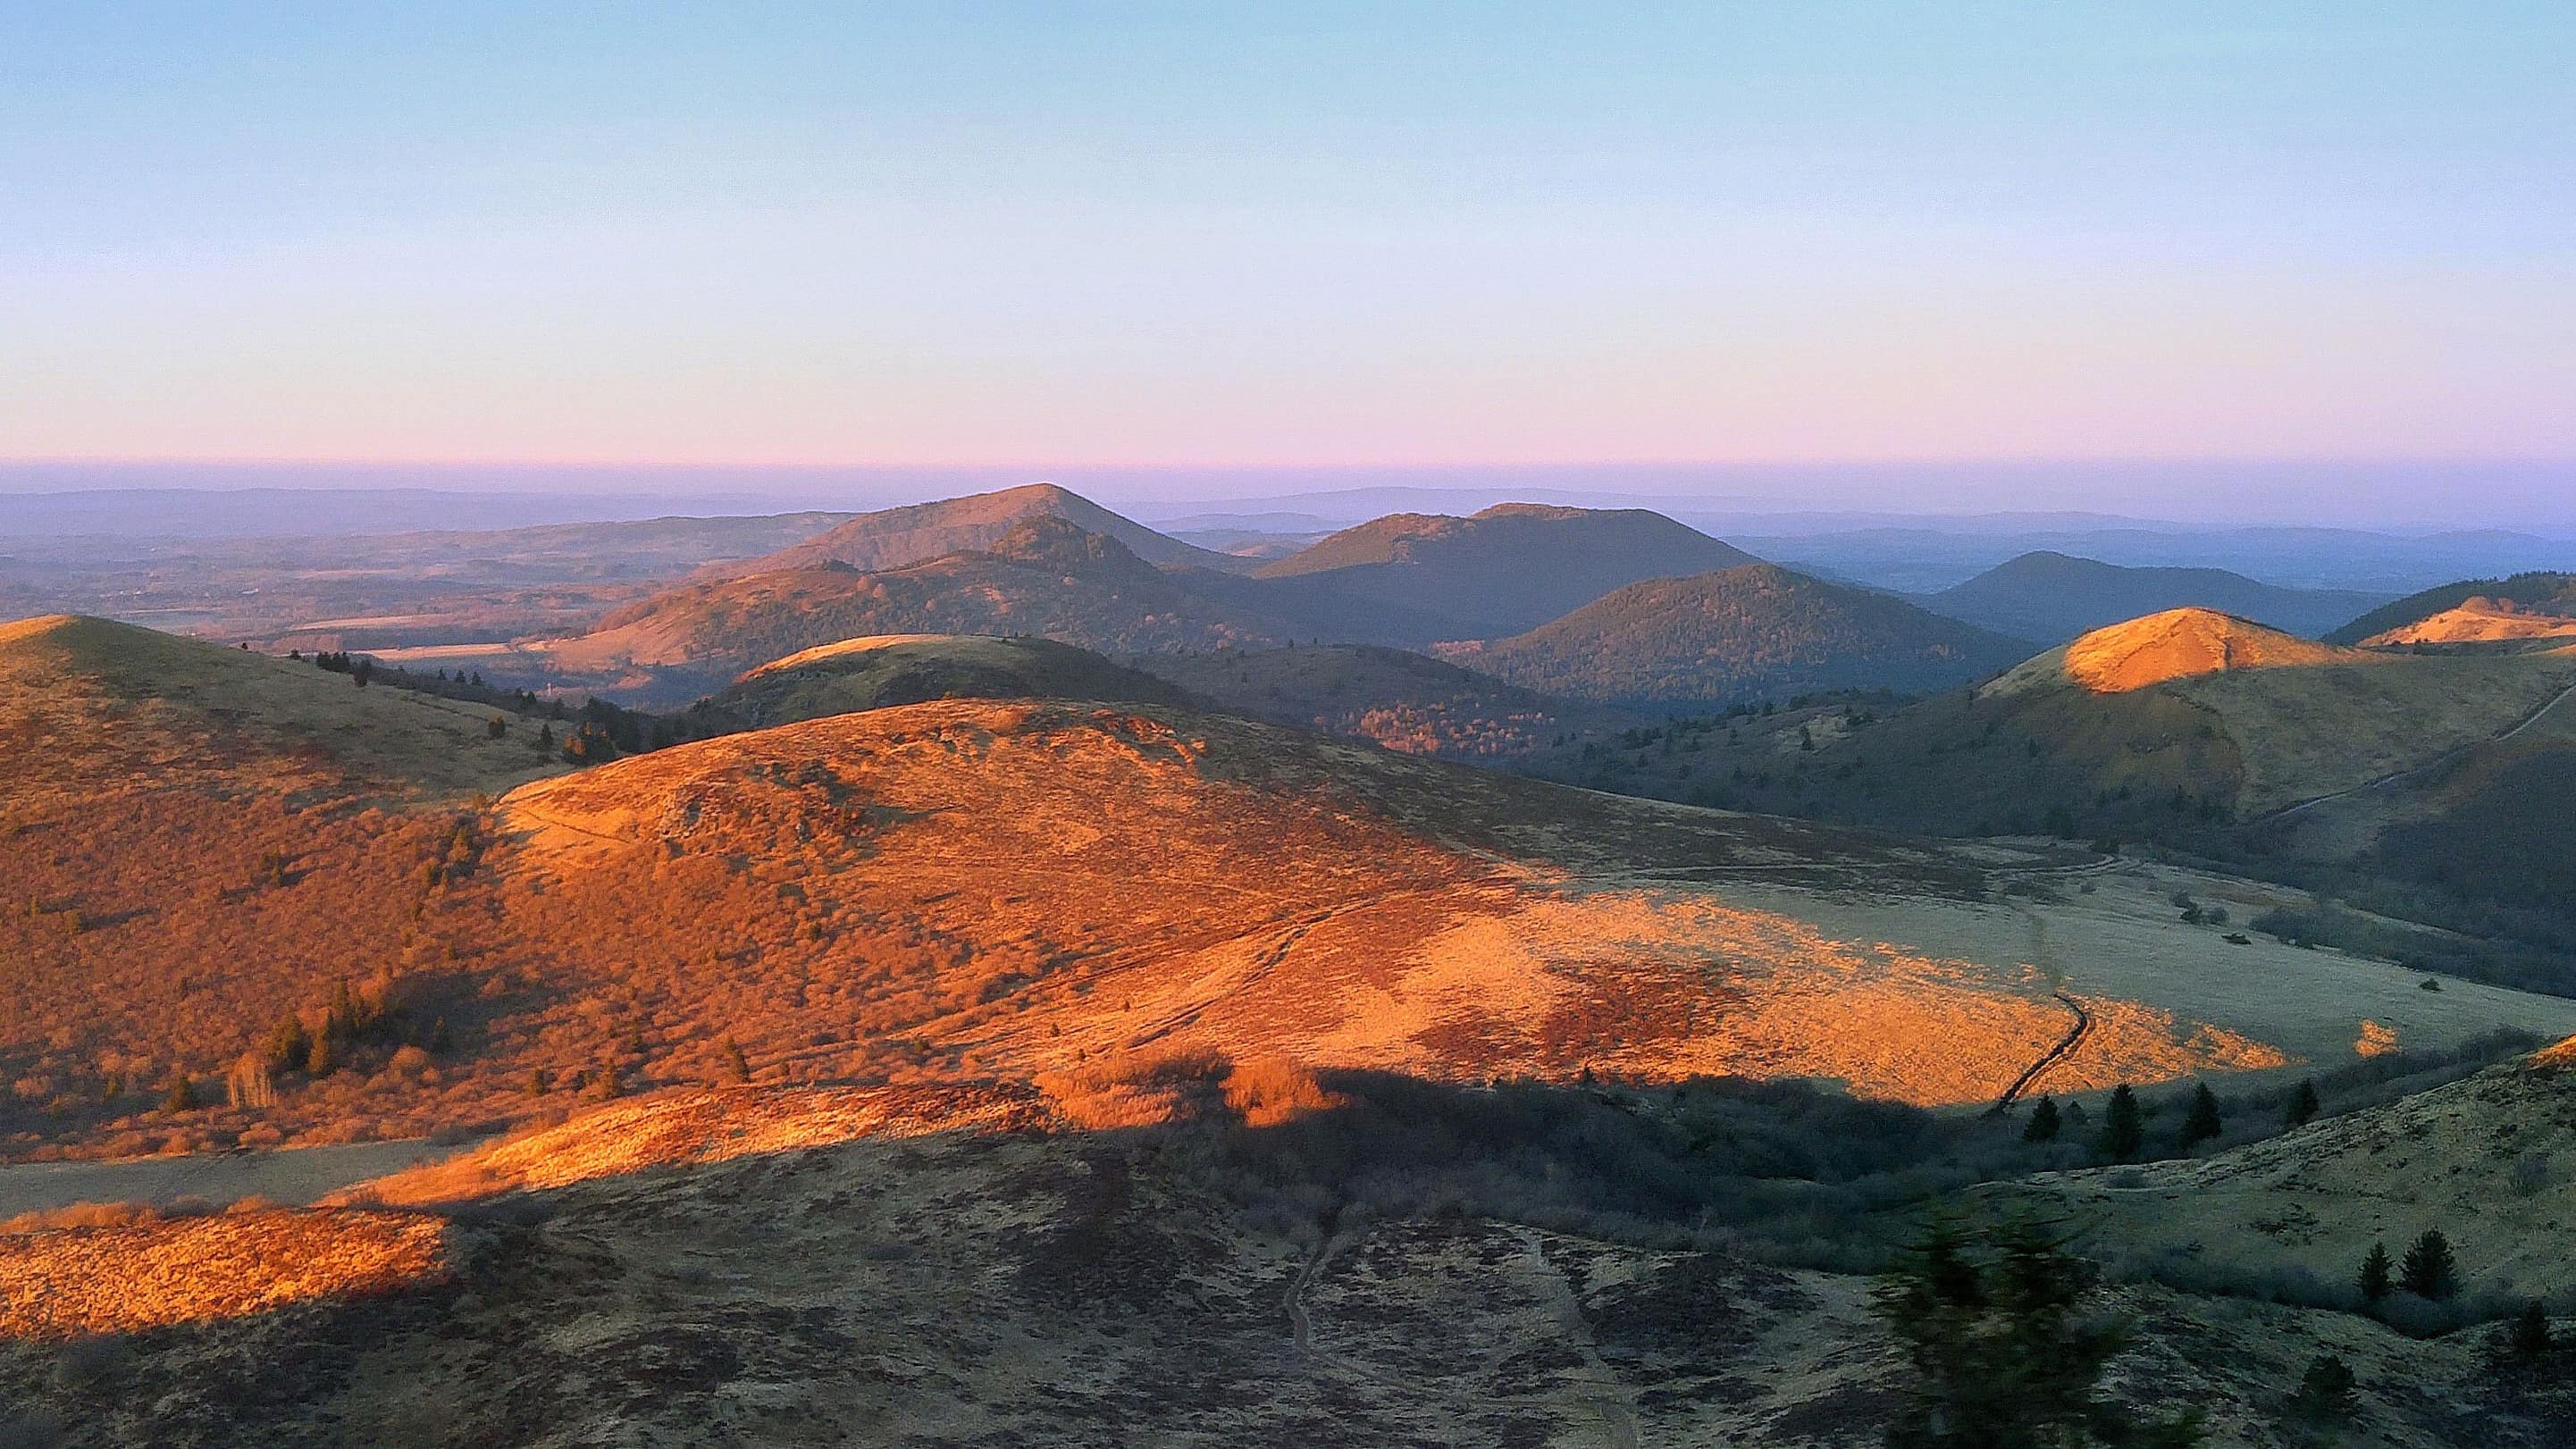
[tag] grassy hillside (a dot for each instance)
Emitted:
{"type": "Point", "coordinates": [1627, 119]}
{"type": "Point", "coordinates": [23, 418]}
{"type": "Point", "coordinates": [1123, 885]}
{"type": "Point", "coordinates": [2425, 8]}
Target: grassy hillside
{"type": "Point", "coordinates": [1404, 701]}
{"type": "Point", "coordinates": [2531, 591]}
{"type": "Point", "coordinates": [1505, 570]}
{"type": "Point", "coordinates": [1044, 577]}
{"type": "Point", "coordinates": [918, 533]}
{"type": "Point", "coordinates": [1747, 632]}
{"type": "Point", "coordinates": [2051, 598]}
{"type": "Point", "coordinates": [884, 670]}
{"type": "Point", "coordinates": [962, 888]}
{"type": "Point", "coordinates": [896, 538]}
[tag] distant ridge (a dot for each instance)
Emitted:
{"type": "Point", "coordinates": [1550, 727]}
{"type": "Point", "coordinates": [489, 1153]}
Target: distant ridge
{"type": "Point", "coordinates": [897, 537]}
{"type": "Point", "coordinates": [1745, 633]}
{"type": "Point", "coordinates": [1044, 576]}
{"type": "Point", "coordinates": [1507, 569]}
{"type": "Point", "coordinates": [2051, 597]}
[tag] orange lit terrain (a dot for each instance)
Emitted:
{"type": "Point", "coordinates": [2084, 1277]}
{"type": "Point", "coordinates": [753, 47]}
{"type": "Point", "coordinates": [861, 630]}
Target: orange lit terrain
{"type": "Point", "coordinates": [1026, 1069]}
{"type": "Point", "coordinates": [966, 889]}
{"type": "Point", "coordinates": [2481, 620]}
{"type": "Point", "coordinates": [61, 1282]}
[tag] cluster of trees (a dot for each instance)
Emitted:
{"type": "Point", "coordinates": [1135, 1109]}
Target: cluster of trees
{"type": "Point", "coordinates": [2124, 1120]}
{"type": "Point", "coordinates": [2429, 1270]}
{"type": "Point", "coordinates": [2007, 1345]}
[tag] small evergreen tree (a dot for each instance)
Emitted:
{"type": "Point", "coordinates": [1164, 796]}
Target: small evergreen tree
{"type": "Point", "coordinates": [321, 1059]}
{"type": "Point", "coordinates": [2428, 1270]}
{"type": "Point", "coordinates": [2303, 1106]}
{"type": "Point", "coordinates": [182, 1097]}
{"type": "Point", "coordinates": [2377, 1274]}
{"type": "Point", "coordinates": [2201, 1123]}
{"type": "Point", "coordinates": [288, 1044]}
{"type": "Point", "coordinates": [2043, 1123]}
{"type": "Point", "coordinates": [2530, 1334]}
{"type": "Point", "coordinates": [2124, 1127]}
{"type": "Point", "coordinates": [737, 1067]}
{"type": "Point", "coordinates": [2325, 1390]}
{"type": "Point", "coordinates": [2003, 1351]}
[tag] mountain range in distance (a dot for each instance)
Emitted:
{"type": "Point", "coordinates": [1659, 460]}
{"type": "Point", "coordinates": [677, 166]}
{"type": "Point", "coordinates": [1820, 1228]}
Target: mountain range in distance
{"type": "Point", "coordinates": [2051, 598]}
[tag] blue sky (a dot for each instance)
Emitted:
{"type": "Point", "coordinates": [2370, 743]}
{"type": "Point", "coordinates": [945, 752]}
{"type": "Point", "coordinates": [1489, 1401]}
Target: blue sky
{"type": "Point", "coordinates": [1090, 235]}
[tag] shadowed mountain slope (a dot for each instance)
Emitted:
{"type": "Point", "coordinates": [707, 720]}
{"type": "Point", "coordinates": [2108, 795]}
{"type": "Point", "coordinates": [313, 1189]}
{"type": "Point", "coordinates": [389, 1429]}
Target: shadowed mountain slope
{"type": "Point", "coordinates": [895, 538]}
{"type": "Point", "coordinates": [1507, 569]}
{"type": "Point", "coordinates": [1044, 577]}
{"type": "Point", "coordinates": [2051, 597]}
{"type": "Point", "coordinates": [1404, 701]}
{"type": "Point", "coordinates": [1744, 633]}
{"type": "Point", "coordinates": [2190, 722]}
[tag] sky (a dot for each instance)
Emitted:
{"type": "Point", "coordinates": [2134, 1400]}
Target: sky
{"type": "Point", "coordinates": [1076, 237]}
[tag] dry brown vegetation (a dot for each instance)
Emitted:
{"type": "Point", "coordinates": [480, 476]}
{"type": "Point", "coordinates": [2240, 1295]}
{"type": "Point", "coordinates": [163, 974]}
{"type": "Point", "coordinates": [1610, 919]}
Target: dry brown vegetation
{"type": "Point", "coordinates": [125, 1277]}
{"type": "Point", "coordinates": [948, 890]}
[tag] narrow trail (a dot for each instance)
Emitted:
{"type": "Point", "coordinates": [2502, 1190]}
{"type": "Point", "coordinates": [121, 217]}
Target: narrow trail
{"type": "Point", "coordinates": [2065, 1047]}
{"type": "Point", "coordinates": [2045, 958]}
{"type": "Point", "coordinates": [2445, 758]}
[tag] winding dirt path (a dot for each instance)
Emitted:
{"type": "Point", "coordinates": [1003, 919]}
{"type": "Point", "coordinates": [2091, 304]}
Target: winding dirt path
{"type": "Point", "coordinates": [2446, 757]}
{"type": "Point", "coordinates": [2058, 1053]}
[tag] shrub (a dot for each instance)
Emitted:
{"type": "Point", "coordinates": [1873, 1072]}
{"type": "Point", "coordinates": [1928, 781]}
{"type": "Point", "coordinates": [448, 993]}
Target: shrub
{"type": "Point", "coordinates": [2303, 1106]}
{"type": "Point", "coordinates": [2529, 1335]}
{"type": "Point", "coordinates": [2325, 1391]}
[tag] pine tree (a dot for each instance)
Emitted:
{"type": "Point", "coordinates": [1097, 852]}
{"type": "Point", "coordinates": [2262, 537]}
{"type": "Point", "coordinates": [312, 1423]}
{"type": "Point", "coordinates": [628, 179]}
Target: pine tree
{"type": "Point", "coordinates": [2043, 1123]}
{"type": "Point", "coordinates": [2304, 1106]}
{"type": "Point", "coordinates": [322, 1058]}
{"type": "Point", "coordinates": [2124, 1128]}
{"type": "Point", "coordinates": [737, 1067]}
{"type": "Point", "coordinates": [2376, 1274]}
{"type": "Point", "coordinates": [2428, 1270]}
{"type": "Point", "coordinates": [2002, 1350]}
{"type": "Point", "coordinates": [183, 1095]}
{"type": "Point", "coordinates": [2530, 1335]}
{"type": "Point", "coordinates": [288, 1044]}
{"type": "Point", "coordinates": [2202, 1122]}
{"type": "Point", "coordinates": [2325, 1390]}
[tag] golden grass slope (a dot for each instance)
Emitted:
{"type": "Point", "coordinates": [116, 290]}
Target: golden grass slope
{"type": "Point", "coordinates": [97, 702]}
{"type": "Point", "coordinates": [66, 1282]}
{"type": "Point", "coordinates": [896, 669]}
{"type": "Point", "coordinates": [2159, 648]}
{"type": "Point", "coordinates": [2481, 620]}
{"type": "Point", "coordinates": [1105, 881]}
{"type": "Point", "coordinates": [2282, 720]}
